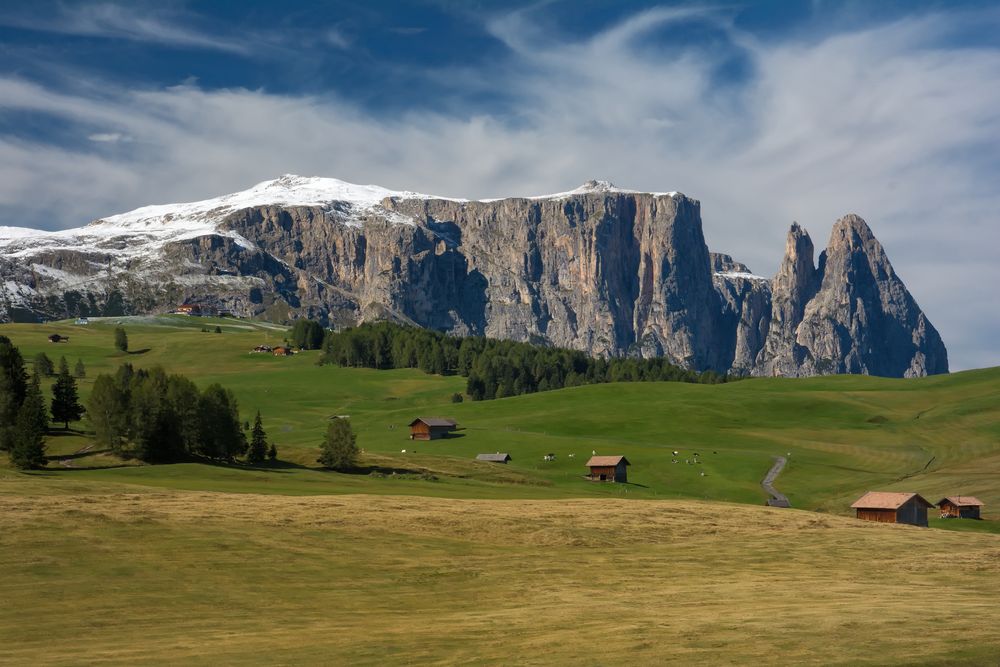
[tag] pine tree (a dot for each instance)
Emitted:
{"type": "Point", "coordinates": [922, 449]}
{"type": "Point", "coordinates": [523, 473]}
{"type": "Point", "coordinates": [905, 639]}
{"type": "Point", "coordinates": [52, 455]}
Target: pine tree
{"type": "Point", "coordinates": [108, 411]}
{"type": "Point", "coordinates": [339, 450]}
{"type": "Point", "coordinates": [257, 451]}
{"type": "Point", "coordinates": [27, 444]}
{"type": "Point", "coordinates": [80, 371]}
{"type": "Point", "coordinates": [121, 340]}
{"type": "Point", "coordinates": [65, 400]}
{"type": "Point", "coordinates": [43, 365]}
{"type": "Point", "coordinates": [272, 453]}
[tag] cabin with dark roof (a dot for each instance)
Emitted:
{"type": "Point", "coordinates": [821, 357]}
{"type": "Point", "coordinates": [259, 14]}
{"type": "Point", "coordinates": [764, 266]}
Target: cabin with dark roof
{"type": "Point", "coordinates": [431, 428]}
{"type": "Point", "coordinates": [892, 507]}
{"type": "Point", "coordinates": [56, 338]}
{"type": "Point", "coordinates": [499, 457]}
{"type": "Point", "coordinates": [608, 468]}
{"type": "Point", "coordinates": [960, 507]}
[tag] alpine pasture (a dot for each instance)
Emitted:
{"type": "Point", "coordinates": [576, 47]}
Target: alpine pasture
{"type": "Point", "coordinates": [428, 556]}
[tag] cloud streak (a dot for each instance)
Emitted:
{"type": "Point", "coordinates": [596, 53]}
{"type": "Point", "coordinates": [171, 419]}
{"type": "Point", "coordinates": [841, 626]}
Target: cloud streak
{"type": "Point", "coordinates": [884, 122]}
{"type": "Point", "coordinates": [111, 21]}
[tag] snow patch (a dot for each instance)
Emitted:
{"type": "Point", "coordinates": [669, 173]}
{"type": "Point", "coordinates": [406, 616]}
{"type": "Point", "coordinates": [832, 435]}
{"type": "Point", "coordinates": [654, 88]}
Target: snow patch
{"type": "Point", "coordinates": [740, 275]}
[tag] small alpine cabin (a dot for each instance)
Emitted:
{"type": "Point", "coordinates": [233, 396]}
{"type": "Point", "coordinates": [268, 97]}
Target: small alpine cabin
{"type": "Point", "coordinates": [499, 457]}
{"type": "Point", "coordinates": [960, 507]}
{"type": "Point", "coordinates": [188, 309]}
{"type": "Point", "coordinates": [431, 428]}
{"type": "Point", "coordinates": [893, 507]}
{"type": "Point", "coordinates": [56, 338]}
{"type": "Point", "coordinates": [608, 468]}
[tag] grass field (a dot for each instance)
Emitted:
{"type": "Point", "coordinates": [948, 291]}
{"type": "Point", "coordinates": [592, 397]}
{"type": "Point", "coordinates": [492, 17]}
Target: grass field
{"type": "Point", "coordinates": [433, 558]}
{"type": "Point", "coordinates": [846, 435]}
{"type": "Point", "coordinates": [169, 577]}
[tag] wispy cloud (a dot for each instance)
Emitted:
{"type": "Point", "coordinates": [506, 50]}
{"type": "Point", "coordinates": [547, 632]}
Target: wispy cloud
{"type": "Point", "coordinates": [885, 122]}
{"type": "Point", "coordinates": [127, 22]}
{"type": "Point", "coordinates": [109, 137]}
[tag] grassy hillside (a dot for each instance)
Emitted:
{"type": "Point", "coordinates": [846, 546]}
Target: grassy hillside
{"type": "Point", "coordinates": [170, 577]}
{"type": "Point", "coordinates": [845, 435]}
{"type": "Point", "coordinates": [112, 562]}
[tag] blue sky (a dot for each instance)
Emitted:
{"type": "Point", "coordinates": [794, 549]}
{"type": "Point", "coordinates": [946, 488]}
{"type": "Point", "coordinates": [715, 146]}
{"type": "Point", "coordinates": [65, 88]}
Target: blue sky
{"type": "Point", "coordinates": [767, 112]}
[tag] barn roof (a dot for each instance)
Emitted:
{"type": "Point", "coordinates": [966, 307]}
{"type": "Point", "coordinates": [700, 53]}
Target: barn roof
{"type": "Point", "coordinates": [886, 500]}
{"type": "Point", "coordinates": [434, 421]}
{"type": "Point", "coordinates": [961, 501]}
{"type": "Point", "coordinates": [499, 457]}
{"type": "Point", "coordinates": [607, 461]}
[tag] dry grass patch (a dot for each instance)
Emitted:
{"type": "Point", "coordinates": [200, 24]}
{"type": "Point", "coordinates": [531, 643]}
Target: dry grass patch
{"type": "Point", "coordinates": [198, 578]}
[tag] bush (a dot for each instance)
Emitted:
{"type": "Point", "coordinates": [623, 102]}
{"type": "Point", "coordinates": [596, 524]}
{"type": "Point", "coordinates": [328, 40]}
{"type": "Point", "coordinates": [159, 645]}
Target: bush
{"type": "Point", "coordinates": [456, 398]}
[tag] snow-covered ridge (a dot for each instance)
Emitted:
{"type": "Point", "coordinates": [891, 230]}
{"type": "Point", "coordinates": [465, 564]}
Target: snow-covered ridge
{"type": "Point", "coordinates": [740, 275]}
{"type": "Point", "coordinates": [150, 227]}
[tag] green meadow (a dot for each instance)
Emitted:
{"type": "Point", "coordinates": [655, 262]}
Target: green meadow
{"type": "Point", "coordinates": [425, 556]}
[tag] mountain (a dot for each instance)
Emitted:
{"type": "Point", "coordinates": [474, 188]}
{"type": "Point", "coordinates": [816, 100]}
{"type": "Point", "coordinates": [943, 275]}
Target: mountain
{"type": "Point", "coordinates": [599, 268]}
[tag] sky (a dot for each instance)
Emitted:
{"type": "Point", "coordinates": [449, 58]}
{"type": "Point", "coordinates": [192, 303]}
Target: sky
{"type": "Point", "coordinates": [766, 112]}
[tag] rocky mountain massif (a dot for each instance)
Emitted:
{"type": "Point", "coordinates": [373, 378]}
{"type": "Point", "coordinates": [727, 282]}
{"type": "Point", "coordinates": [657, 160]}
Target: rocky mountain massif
{"type": "Point", "coordinates": [601, 269]}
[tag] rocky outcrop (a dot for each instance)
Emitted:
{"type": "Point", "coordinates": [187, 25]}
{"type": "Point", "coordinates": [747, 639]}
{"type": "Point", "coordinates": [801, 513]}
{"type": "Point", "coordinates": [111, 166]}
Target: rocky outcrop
{"type": "Point", "coordinates": [609, 271]}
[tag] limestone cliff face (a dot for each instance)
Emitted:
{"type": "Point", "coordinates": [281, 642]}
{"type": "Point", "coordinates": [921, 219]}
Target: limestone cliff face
{"type": "Point", "coordinates": [608, 271]}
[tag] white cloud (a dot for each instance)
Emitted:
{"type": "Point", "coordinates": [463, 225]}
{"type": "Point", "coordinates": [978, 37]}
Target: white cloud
{"type": "Point", "coordinates": [114, 21]}
{"type": "Point", "coordinates": [109, 137]}
{"type": "Point", "coordinates": [881, 122]}
{"type": "Point", "coordinates": [336, 38]}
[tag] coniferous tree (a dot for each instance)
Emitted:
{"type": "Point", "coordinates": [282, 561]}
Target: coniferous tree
{"type": "Point", "coordinates": [219, 417]}
{"type": "Point", "coordinates": [27, 448]}
{"type": "Point", "coordinates": [42, 365]}
{"type": "Point", "coordinates": [108, 413]}
{"type": "Point", "coordinates": [257, 451]}
{"type": "Point", "coordinates": [80, 370]}
{"type": "Point", "coordinates": [65, 400]}
{"type": "Point", "coordinates": [121, 340]}
{"type": "Point", "coordinates": [339, 450]}
{"type": "Point", "coordinates": [272, 453]}
{"type": "Point", "coordinates": [13, 387]}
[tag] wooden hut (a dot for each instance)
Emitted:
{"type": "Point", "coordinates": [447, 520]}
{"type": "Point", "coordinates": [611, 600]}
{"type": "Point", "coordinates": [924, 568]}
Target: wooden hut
{"type": "Point", "coordinates": [431, 428]}
{"type": "Point", "coordinates": [608, 468]}
{"type": "Point", "coordinates": [892, 507]}
{"type": "Point", "coordinates": [499, 457]}
{"type": "Point", "coordinates": [188, 309]}
{"type": "Point", "coordinates": [281, 351]}
{"type": "Point", "coordinates": [56, 338]}
{"type": "Point", "coordinates": [960, 507]}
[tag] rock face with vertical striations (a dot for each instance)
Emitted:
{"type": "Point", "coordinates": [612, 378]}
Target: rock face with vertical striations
{"type": "Point", "coordinates": [601, 269]}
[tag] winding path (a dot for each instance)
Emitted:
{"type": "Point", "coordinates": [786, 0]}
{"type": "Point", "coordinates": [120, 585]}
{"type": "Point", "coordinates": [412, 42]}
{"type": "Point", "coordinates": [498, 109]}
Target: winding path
{"type": "Point", "coordinates": [777, 499]}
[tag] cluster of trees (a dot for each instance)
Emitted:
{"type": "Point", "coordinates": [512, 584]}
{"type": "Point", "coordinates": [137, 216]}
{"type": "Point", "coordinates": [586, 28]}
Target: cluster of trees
{"type": "Point", "coordinates": [306, 335]}
{"type": "Point", "coordinates": [161, 418]}
{"type": "Point", "coordinates": [42, 366]}
{"type": "Point", "coordinates": [494, 368]}
{"type": "Point", "coordinates": [23, 417]}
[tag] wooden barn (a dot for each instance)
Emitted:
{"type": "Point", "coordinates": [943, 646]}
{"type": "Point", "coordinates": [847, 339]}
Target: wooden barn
{"type": "Point", "coordinates": [56, 338]}
{"type": "Point", "coordinates": [431, 428]}
{"type": "Point", "coordinates": [282, 351]}
{"type": "Point", "coordinates": [892, 507]}
{"type": "Point", "coordinates": [499, 457]}
{"type": "Point", "coordinates": [188, 309]}
{"type": "Point", "coordinates": [608, 468]}
{"type": "Point", "coordinates": [960, 507]}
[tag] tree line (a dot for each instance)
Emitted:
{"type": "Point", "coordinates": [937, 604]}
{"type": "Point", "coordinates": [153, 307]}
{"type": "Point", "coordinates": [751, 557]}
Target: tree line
{"type": "Point", "coordinates": [494, 368]}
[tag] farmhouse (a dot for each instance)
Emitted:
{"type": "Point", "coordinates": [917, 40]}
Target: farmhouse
{"type": "Point", "coordinates": [188, 309]}
{"type": "Point", "coordinates": [892, 507]}
{"type": "Point", "coordinates": [608, 468]}
{"type": "Point", "coordinates": [431, 428]}
{"type": "Point", "coordinates": [56, 338]}
{"type": "Point", "coordinates": [960, 507]}
{"type": "Point", "coordinates": [282, 351]}
{"type": "Point", "coordinates": [263, 349]}
{"type": "Point", "coordinates": [499, 457]}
